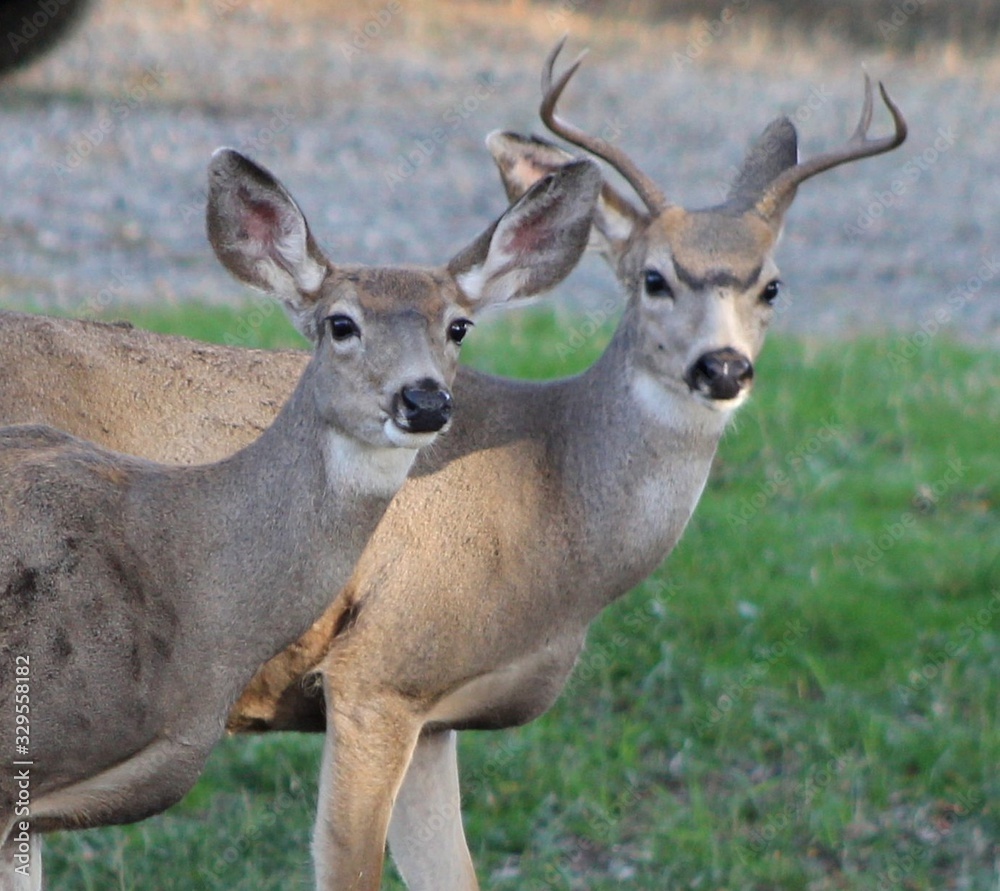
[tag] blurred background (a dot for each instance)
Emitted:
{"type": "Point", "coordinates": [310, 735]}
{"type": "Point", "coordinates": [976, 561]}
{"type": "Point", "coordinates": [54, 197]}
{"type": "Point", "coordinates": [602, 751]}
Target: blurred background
{"type": "Point", "coordinates": [374, 114]}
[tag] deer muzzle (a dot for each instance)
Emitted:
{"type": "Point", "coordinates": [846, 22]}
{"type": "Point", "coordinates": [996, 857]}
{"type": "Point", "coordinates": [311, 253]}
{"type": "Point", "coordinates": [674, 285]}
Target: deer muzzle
{"type": "Point", "coordinates": [720, 374]}
{"type": "Point", "coordinates": [422, 408]}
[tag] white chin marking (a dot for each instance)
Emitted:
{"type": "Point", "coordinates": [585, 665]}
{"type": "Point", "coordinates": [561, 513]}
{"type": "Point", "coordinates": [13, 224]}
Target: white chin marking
{"type": "Point", "coordinates": [680, 407]}
{"type": "Point", "coordinates": [722, 405]}
{"type": "Point", "coordinates": [404, 439]}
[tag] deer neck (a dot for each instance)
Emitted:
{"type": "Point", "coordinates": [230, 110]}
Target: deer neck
{"type": "Point", "coordinates": [635, 467]}
{"type": "Point", "coordinates": [652, 418]}
{"type": "Point", "coordinates": [278, 526]}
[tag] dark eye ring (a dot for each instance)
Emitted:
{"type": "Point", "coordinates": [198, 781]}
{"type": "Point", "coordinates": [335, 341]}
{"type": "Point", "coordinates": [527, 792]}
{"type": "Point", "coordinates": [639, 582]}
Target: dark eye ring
{"type": "Point", "coordinates": [343, 327]}
{"type": "Point", "coordinates": [770, 292]}
{"type": "Point", "coordinates": [458, 329]}
{"type": "Point", "coordinates": [656, 285]}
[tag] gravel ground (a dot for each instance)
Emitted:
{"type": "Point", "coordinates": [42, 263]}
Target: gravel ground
{"type": "Point", "coordinates": [374, 117]}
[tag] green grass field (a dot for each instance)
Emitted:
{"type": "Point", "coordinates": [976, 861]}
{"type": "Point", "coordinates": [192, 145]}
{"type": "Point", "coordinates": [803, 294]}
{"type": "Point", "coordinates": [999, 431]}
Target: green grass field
{"type": "Point", "coordinates": [805, 695]}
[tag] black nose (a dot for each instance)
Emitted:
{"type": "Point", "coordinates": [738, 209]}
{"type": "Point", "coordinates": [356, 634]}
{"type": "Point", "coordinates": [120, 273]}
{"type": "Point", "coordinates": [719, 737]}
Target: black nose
{"type": "Point", "coordinates": [720, 374]}
{"type": "Point", "coordinates": [424, 408]}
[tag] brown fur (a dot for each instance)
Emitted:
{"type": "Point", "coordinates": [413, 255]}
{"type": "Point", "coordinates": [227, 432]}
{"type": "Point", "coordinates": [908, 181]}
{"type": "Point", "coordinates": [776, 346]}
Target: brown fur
{"type": "Point", "coordinates": [162, 397]}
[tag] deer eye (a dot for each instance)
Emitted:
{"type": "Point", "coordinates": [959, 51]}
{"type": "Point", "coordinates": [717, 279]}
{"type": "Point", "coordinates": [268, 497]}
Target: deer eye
{"type": "Point", "coordinates": [656, 285]}
{"type": "Point", "coordinates": [458, 329]}
{"type": "Point", "coordinates": [343, 327]}
{"type": "Point", "coordinates": [770, 292]}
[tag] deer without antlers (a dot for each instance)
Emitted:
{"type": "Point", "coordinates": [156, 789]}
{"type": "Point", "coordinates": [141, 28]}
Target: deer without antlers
{"type": "Point", "coordinates": [546, 502]}
{"type": "Point", "coordinates": [145, 596]}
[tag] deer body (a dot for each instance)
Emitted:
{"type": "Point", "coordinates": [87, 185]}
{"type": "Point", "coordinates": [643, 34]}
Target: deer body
{"type": "Point", "coordinates": [593, 497]}
{"type": "Point", "coordinates": [544, 511]}
{"type": "Point", "coordinates": [146, 595]}
{"type": "Point", "coordinates": [174, 648]}
{"type": "Point", "coordinates": [544, 503]}
{"type": "Point", "coordinates": [162, 397]}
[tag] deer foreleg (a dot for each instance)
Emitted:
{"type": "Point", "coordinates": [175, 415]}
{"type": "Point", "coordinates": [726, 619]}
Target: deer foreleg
{"type": "Point", "coordinates": [425, 833]}
{"type": "Point", "coordinates": [368, 748]}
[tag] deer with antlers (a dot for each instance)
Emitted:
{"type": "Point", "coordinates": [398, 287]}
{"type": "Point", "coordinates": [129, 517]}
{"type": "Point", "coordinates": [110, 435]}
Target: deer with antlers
{"type": "Point", "coordinates": [546, 502]}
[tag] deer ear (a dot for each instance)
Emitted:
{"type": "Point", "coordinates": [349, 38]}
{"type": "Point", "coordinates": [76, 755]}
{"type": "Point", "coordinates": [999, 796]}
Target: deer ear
{"type": "Point", "coordinates": [523, 160]}
{"type": "Point", "coordinates": [773, 152]}
{"type": "Point", "coordinates": [259, 234]}
{"type": "Point", "coordinates": [536, 243]}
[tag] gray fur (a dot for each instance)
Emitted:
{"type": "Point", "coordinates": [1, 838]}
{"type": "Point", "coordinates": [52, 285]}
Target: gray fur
{"type": "Point", "coordinates": [145, 595]}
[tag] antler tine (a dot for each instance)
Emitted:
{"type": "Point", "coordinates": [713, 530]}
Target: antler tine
{"type": "Point", "coordinates": [644, 187]}
{"type": "Point", "coordinates": [781, 190]}
{"type": "Point", "coordinates": [867, 109]}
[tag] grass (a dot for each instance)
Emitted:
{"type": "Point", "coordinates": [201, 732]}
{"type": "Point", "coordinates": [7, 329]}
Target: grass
{"type": "Point", "coordinates": [805, 695]}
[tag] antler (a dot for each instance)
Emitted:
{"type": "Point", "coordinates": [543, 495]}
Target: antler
{"type": "Point", "coordinates": [780, 192]}
{"type": "Point", "coordinates": [644, 187]}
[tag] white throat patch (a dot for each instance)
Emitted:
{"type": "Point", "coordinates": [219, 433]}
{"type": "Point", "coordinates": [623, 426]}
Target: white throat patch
{"type": "Point", "coordinates": [666, 407]}
{"type": "Point", "coordinates": [364, 468]}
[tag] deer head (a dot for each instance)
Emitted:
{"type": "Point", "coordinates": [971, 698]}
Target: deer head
{"type": "Point", "coordinates": [700, 283]}
{"type": "Point", "coordinates": [392, 331]}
